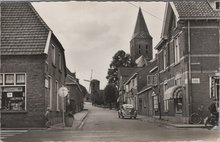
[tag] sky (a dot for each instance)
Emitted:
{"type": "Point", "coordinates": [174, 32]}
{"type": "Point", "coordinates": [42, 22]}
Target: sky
{"type": "Point", "coordinates": [92, 32]}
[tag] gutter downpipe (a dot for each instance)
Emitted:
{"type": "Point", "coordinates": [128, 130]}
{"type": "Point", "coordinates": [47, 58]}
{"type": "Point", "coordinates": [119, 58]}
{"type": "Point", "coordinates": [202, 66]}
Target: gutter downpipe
{"type": "Point", "coordinates": [189, 108]}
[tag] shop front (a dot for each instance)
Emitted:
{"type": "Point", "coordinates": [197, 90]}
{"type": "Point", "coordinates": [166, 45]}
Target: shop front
{"type": "Point", "coordinates": [13, 94]}
{"type": "Point", "coordinates": [173, 104]}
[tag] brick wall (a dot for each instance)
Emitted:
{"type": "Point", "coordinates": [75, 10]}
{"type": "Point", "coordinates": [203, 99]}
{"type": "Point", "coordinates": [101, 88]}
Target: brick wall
{"type": "Point", "coordinates": [33, 67]}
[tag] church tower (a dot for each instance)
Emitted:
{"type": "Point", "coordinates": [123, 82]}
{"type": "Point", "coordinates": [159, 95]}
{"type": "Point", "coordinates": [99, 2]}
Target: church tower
{"type": "Point", "coordinates": [141, 42]}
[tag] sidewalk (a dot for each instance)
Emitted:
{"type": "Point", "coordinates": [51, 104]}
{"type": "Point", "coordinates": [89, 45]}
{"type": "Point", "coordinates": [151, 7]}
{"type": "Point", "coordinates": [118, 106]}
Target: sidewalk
{"type": "Point", "coordinates": [168, 123]}
{"type": "Point", "coordinates": [78, 119]}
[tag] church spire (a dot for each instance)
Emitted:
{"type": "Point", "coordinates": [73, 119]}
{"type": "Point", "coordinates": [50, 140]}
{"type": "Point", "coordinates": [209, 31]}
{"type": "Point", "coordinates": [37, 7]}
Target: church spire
{"type": "Point", "coordinates": [141, 27]}
{"type": "Point", "coordinates": [141, 42]}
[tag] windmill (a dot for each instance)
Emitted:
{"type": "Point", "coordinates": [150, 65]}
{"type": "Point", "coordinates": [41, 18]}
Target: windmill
{"type": "Point", "coordinates": [89, 81]}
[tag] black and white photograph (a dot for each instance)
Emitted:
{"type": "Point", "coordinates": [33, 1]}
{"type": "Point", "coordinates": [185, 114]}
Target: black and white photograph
{"type": "Point", "coordinates": [109, 71]}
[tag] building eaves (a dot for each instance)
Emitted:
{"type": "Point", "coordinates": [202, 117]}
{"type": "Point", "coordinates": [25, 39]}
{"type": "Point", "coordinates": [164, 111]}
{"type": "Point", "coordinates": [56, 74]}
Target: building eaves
{"type": "Point", "coordinates": [191, 10]}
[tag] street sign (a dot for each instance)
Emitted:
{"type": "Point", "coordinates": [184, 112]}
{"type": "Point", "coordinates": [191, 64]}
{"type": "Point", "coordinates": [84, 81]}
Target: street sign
{"type": "Point", "coordinates": [63, 91]}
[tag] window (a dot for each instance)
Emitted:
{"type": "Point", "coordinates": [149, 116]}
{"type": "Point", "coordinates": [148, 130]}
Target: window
{"type": "Point", "coordinates": [165, 86]}
{"type": "Point", "coordinates": [60, 67]}
{"type": "Point", "coordinates": [9, 79]}
{"type": "Point", "coordinates": [1, 79]}
{"type": "Point", "coordinates": [20, 79]}
{"type": "Point", "coordinates": [217, 5]}
{"type": "Point", "coordinates": [166, 105]}
{"type": "Point", "coordinates": [139, 49]}
{"type": "Point", "coordinates": [53, 52]}
{"type": "Point", "coordinates": [50, 92]}
{"type": "Point", "coordinates": [57, 88]}
{"type": "Point", "coordinates": [178, 81]}
{"type": "Point", "coordinates": [46, 67]}
{"type": "Point", "coordinates": [179, 104]}
{"type": "Point", "coordinates": [176, 51]}
{"type": "Point", "coordinates": [214, 86]}
{"type": "Point", "coordinates": [155, 101]}
{"type": "Point", "coordinates": [12, 97]}
{"type": "Point", "coordinates": [174, 21]}
{"type": "Point", "coordinates": [165, 59]}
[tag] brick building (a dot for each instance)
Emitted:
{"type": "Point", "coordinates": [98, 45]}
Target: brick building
{"type": "Point", "coordinates": [76, 92]}
{"type": "Point", "coordinates": [184, 75]}
{"type": "Point", "coordinates": [32, 68]}
{"type": "Point", "coordinates": [188, 56]}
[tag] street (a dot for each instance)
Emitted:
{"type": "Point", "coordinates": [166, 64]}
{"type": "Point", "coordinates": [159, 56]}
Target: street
{"type": "Point", "coordinates": [103, 125]}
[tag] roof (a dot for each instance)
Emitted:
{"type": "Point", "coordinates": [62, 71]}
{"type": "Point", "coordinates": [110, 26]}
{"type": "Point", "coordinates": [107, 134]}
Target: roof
{"type": "Point", "coordinates": [23, 32]}
{"type": "Point", "coordinates": [194, 9]}
{"type": "Point", "coordinates": [133, 74]}
{"type": "Point", "coordinates": [141, 27]}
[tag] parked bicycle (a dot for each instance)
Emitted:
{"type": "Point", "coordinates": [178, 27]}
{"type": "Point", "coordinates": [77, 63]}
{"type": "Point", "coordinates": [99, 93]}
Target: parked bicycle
{"type": "Point", "coordinates": [198, 117]}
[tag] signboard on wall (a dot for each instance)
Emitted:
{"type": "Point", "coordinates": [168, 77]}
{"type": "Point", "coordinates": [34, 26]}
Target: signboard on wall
{"type": "Point", "coordinates": [9, 95]}
{"type": "Point", "coordinates": [46, 83]}
{"type": "Point", "coordinates": [195, 80]}
{"type": "Point", "coordinates": [12, 89]}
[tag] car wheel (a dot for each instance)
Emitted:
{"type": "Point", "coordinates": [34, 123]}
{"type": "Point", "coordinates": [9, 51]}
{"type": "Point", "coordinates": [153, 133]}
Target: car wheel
{"type": "Point", "coordinates": [135, 117]}
{"type": "Point", "coordinates": [119, 116]}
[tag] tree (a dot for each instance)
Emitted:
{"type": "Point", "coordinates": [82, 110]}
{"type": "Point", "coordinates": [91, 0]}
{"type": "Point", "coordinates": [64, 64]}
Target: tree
{"type": "Point", "coordinates": [120, 59]}
{"type": "Point", "coordinates": [111, 94]}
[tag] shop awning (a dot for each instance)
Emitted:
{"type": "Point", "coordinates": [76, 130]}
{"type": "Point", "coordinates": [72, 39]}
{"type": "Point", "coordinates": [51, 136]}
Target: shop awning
{"type": "Point", "coordinates": [173, 92]}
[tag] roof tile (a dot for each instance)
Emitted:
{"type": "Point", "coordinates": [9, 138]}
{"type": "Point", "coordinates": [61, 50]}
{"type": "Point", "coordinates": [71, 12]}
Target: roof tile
{"type": "Point", "coordinates": [23, 32]}
{"type": "Point", "coordinates": [195, 9]}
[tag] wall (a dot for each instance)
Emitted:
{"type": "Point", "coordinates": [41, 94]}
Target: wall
{"type": "Point", "coordinates": [33, 66]}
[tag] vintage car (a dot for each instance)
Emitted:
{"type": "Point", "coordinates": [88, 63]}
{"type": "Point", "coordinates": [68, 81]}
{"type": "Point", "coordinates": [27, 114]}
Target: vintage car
{"type": "Point", "coordinates": [127, 110]}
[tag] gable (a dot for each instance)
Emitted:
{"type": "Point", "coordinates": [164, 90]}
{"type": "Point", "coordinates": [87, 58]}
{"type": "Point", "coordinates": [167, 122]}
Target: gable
{"type": "Point", "coordinates": [187, 10]}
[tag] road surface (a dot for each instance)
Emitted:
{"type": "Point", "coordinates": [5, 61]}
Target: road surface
{"type": "Point", "coordinates": [103, 125]}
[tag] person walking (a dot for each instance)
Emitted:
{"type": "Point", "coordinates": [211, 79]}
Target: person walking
{"type": "Point", "coordinates": [46, 115]}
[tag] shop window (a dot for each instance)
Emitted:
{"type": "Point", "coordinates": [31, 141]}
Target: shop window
{"type": "Point", "coordinates": [20, 79]}
{"type": "Point", "coordinates": [9, 79]}
{"type": "Point", "coordinates": [1, 79]}
{"type": "Point", "coordinates": [179, 104]}
{"type": "Point", "coordinates": [13, 98]}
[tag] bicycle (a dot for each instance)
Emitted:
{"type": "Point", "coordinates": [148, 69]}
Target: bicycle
{"type": "Point", "coordinates": [198, 117]}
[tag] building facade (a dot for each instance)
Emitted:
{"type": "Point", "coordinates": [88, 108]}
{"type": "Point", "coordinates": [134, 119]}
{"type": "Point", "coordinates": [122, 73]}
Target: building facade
{"type": "Point", "coordinates": [188, 55]}
{"type": "Point", "coordinates": [75, 101]}
{"type": "Point", "coordinates": [32, 68]}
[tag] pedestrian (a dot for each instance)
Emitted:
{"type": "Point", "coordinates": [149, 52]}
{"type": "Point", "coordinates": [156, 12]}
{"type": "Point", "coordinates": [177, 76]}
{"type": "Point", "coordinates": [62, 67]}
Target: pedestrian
{"type": "Point", "coordinates": [46, 115]}
{"type": "Point", "coordinates": [213, 108]}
